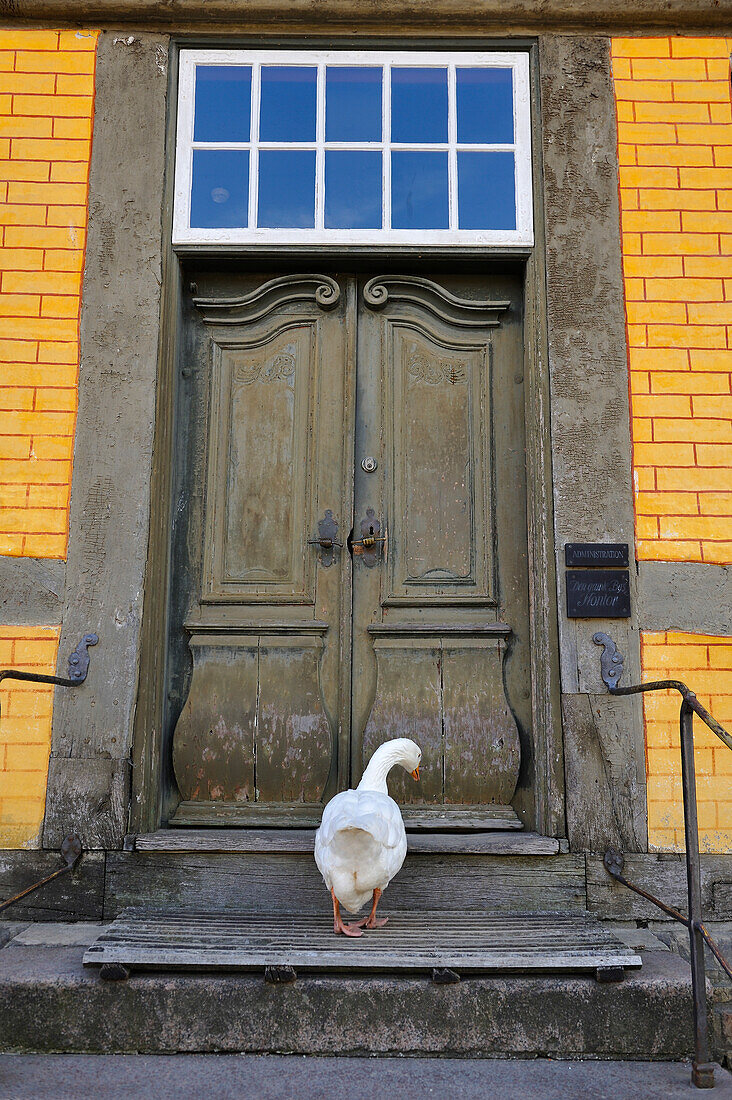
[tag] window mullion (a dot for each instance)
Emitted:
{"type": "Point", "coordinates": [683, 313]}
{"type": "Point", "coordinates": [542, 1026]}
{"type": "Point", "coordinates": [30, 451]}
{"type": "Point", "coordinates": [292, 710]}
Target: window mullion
{"type": "Point", "coordinates": [320, 148]}
{"type": "Point", "coordinates": [452, 170]}
{"type": "Point", "coordinates": [386, 138]}
{"type": "Point", "coordinates": [254, 145]}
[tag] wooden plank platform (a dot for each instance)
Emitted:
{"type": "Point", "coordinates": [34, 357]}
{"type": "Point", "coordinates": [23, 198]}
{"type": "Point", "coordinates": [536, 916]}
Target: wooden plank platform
{"type": "Point", "coordinates": [304, 815]}
{"type": "Point", "coordinates": [160, 939]}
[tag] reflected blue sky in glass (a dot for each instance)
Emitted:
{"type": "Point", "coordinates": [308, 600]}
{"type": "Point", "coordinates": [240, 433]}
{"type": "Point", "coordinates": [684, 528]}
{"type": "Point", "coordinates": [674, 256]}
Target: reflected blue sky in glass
{"type": "Point", "coordinates": [353, 103]}
{"type": "Point", "coordinates": [219, 195]}
{"type": "Point", "coordinates": [286, 188]}
{"type": "Point", "coordinates": [486, 191]}
{"type": "Point", "coordinates": [418, 105]}
{"type": "Point", "coordinates": [419, 191]}
{"type": "Point", "coordinates": [485, 106]}
{"type": "Point", "coordinates": [352, 189]}
{"type": "Point", "coordinates": [223, 103]}
{"type": "Point", "coordinates": [287, 108]}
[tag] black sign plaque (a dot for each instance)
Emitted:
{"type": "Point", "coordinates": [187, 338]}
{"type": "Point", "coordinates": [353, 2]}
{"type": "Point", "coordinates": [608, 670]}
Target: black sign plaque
{"type": "Point", "coordinates": [598, 594]}
{"type": "Point", "coordinates": [596, 555]}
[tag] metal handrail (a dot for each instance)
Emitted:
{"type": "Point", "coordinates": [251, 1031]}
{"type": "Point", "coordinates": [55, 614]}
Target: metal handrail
{"type": "Point", "coordinates": [611, 667]}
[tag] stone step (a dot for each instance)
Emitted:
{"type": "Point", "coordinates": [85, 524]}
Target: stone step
{"type": "Point", "coordinates": [50, 1002]}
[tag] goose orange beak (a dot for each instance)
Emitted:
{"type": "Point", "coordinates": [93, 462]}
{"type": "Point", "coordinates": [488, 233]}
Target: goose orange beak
{"type": "Point", "coordinates": [415, 773]}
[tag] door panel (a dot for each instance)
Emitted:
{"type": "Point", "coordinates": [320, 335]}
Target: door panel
{"type": "Point", "coordinates": [296, 675]}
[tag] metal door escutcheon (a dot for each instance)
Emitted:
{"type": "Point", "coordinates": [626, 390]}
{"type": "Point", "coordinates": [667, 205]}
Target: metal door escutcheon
{"type": "Point", "coordinates": [326, 540]}
{"type": "Point", "coordinates": [367, 547]}
{"type": "Point", "coordinates": [369, 464]}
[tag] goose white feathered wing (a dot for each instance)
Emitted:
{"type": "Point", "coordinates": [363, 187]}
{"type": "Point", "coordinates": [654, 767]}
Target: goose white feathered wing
{"type": "Point", "coordinates": [360, 845]}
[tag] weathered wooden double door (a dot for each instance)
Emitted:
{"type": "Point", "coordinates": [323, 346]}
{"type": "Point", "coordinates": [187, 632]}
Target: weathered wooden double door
{"type": "Point", "coordinates": [349, 553]}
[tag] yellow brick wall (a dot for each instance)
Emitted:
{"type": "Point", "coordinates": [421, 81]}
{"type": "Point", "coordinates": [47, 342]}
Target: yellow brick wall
{"type": "Point", "coordinates": [46, 112]}
{"type": "Point", "coordinates": [705, 663]}
{"type": "Point", "coordinates": [25, 732]}
{"type": "Point", "coordinates": [675, 169]}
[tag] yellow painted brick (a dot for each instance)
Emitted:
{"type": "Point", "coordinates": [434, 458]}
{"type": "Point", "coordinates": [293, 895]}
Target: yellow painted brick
{"type": "Point", "coordinates": [708, 91]}
{"type": "Point", "coordinates": [12, 546]}
{"type": "Point", "coordinates": [42, 374]}
{"type": "Point", "coordinates": [641, 313]}
{"type": "Point", "coordinates": [41, 282]}
{"type": "Point", "coordinates": [664, 550]}
{"type": "Point", "coordinates": [717, 553]}
{"type": "Point", "coordinates": [56, 399]}
{"type": "Point", "coordinates": [33, 649]}
{"type": "Point", "coordinates": [686, 336]}
{"type": "Point", "coordinates": [19, 305]}
{"type": "Point", "coordinates": [21, 259]}
{"type": "Point", "coordinates": [695, 479]}
{"type": "Point", "coordinates": [16, 397]}
{"type": "Point", "coordinates": [75, 84]}
{"type": "Point", "coordinates": [640, 382]}
{"type": "Point", "coordinates": [58, 354]}
{"type": "Point", "coordinates": [675, 199]}
{"type": "Point", "coordinates": [640, 47]}
{"type": "Point", "coordinates": [30, 62]}
{"type": "Point", "coordinates": [664, 243]}
{"type": "Point", "coordinates": [37, 423]}
{"type": "Point", "coordinates": [66, 215]}
{"type": "Point", "coordinates": [63, 259]}
{"type": "Point", "coordinates": [625, 111]}
{"type": "Point", "coordinates": [72, 128]}
{"type": "Point", "coordinates": [720, 113]}
{"type": "Point", "coordinates": [65, 194]}
{"type": "Point", "coordinates": [690, 382]}
{"type": "Point", "coordinates": [663, 761]}
{"type": "Point", "coordinates": [46, 546]}
{"type": "Point", "coordinates": [50, 521]}
{"type": "Point", "coordinates": [696, 527]}
{"type": "Point", "coordinates": [55, 106]}
{"type": "Point", "coordinates": [14, 447]}
{"type": "Point", "coordinates": [646, 527]}
{"type": "Point", "coordinates": [22, 214]}
{"type": "Point", "coordinates": [703, 221]}
{"type": "Point", "coordinates": [674, 69]}
{"type": "Point", "coordinates": [628, 198]}
{"type": "Point", "coordinates": [41, 84]}
{"type": "Point", "coordinates": [696, 47]}
{"type": "Point", "coordinates": [662, 405]}
{"type": "Point", "coordinates": [710, 313]}
{"type": "Point", "coordinates": [31, 705]}
{"type": "Point", "coordinates": [708, 266]}
{"type": "Point", "coordinates": [644, 221]}
{"type": "Point", "coordinates": [644, 134]}
{"type": "Point", "coordinates": [711, 359]}
{"type": "Point", "coordinates": [655, 359]}
{"type": "Point", "coordinates": [13, 496]}
{"type": "Point", "coordinates": [53, 447]}
{"type": "Point", "coordinates": [715, 405]}
{"type": "Point", "coordinates": [40, 328]}
{"type": "Point", "coordinates": [19, 126]}
{"type": "Point", "coordinates": [48, 148]}
{"type": "Point", "coordinates": [634, 290]}
{"type": "Point", "coordinates": [651, 177]}
{"type": "Point", "coordinates": [22, 784]}
{"type": "Point", "coordinates": [655, 156]}
{"type": "Point", "coordinates": [626, 154]}
{"type": "Point", "coordinates": [708, 133]}
{"type": "Point", "coordinates": [47, 496]}
{"type": "Point", "coordinates": [661, 840]}
{"type": "Point", "coordinates": [696, 430]}
{"type": "Point", "coordinates": [690, 113]}
{"type": "Point", "coordinates": [621, 68]}
{"type": "Point", "coordinates": [720, 656]}
{"type": "Point", "coordinates": [701, 177]}
{"type": "Point", "coordinates": [670, 504]}
{"type": "Point", "coordinates": [21, 236]}
{"type": "Point", "coordinates": [663, 454]}
{"type": "Point", "coordinates": [638, 91]}
{"type": "Point", "coordinates": [28, 758]}
{"type": "Point", "coordinates": [718, 68]}
{"type": "Point", "coordinates": [631, 244]}
{"type": "Point", "coordinates": [722, 762]}
{"type": "Point", "coordinates": [69, 171]}
{"type": "Point", "coordinates": [14, 352]}
{"type": "Point", "coordinates": [685, 290]}
{"type": "Point", "coordinates": [31, 170]}
{"type": "Point", "coordinates": [28, 40]}
{"type": "Point", "coordinates": [78, 40]}
{"type": "Point", "coordinates": [642, 430]}
{"type": "Point", "coordinates": [54, 305]}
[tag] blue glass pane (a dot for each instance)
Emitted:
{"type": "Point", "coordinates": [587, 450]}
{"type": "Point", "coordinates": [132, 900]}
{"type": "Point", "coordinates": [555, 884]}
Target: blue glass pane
{"type": "Point", "coordinates": [219, 195]}
{"type": "Point", "coordinates": [287, 110]}
{"type": "Point", "coordinates": [419, 191]}
{"type": "Point", "coordinates": [352, 103]}
{"type": "Point", "coordinates": [223, 103]}
{"type": "Point", "coordinates": [486, 191]}
{"type": "Point", "coordinates": [419, 105]}
{"type": "Point", "coordinates": [352, 190]}
{"type": "Point", "coordinates": [286, 188]}
{"type": "Point", "coordinates": [485, 106]}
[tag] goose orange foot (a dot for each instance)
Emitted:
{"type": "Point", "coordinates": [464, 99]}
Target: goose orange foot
{"type": "Point", "coordinates": [372, 921]}
{"type": "Point", "coordinates": [353, 930]}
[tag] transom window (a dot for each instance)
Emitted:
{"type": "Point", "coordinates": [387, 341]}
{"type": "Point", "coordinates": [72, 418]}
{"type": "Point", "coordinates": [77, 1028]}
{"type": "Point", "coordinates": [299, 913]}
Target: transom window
{"type": "Point", "coordinates": [334, 147]}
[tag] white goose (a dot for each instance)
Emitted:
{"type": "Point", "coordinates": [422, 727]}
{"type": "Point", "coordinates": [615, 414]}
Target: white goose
{"type": "Point", "coordinates": [361, 842]}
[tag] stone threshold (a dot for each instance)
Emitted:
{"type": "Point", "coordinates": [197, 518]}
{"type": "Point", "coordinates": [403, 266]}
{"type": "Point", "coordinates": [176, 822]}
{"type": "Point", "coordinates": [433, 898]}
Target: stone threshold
{"type": "Point", "coordinates": [301, 840]}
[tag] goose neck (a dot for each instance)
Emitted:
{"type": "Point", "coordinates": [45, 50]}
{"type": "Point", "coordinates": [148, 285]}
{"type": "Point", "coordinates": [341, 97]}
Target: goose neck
{"type": "Point", "coordinates": [379, 766]}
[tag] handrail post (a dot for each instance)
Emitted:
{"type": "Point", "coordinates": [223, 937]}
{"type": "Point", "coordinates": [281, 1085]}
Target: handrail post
{"type": "Point", "coordinates": [702, 1071]}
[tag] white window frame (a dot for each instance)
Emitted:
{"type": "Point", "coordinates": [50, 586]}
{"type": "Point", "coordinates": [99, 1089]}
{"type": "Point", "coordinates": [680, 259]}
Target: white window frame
{"type": "Point", "coordinates": [183, 234]}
